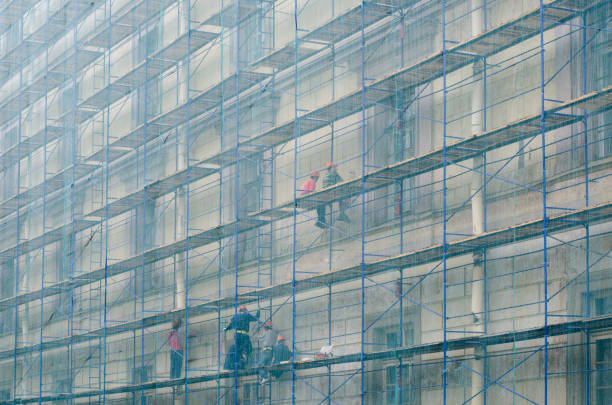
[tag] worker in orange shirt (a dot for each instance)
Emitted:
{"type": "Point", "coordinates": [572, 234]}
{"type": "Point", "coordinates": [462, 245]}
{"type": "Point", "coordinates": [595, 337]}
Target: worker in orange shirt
{"type": "Point", "coordinates": [308, 187]}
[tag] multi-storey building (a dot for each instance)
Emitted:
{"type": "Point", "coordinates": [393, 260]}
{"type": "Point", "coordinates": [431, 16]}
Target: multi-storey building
{"type": "Point", "coordinates": [152, 154]}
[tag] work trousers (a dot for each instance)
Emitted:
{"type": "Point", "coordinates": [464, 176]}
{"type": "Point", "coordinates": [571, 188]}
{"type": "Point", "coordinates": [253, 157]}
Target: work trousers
{"type": "Point", "coordinates": [265, 359]}
{"type": "Point", "coordinates": [321, 213]}
{"type": "Point", "coordinates": [322, 210]}
{"type": "Point", "coordinates": [239, 356]}
{"type": "Point", "coordinates": [243, 344]}
{"type": "Point", "coordinates": [176, 363]}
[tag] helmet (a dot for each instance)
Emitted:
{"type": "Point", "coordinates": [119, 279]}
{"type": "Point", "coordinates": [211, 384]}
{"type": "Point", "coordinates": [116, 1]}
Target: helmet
{"type": "Point", "coordinates": [242, 308]}
{"type": "Point", "coordinates": [314, 173]}
{"type": "Point", "coordinates": [280, 338]}
{"type": "Point", "coordinates": [329, 165]}
{"type": "Point", "coordinates": [268, 324]}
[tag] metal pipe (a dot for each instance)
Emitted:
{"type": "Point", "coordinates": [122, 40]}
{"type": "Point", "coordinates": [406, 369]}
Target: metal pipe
{"type": "Point", "coordinates": [478, 210]}
{"type": "Point", "coordinates": [181, 232]}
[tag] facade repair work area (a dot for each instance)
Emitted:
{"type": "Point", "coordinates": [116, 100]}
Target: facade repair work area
{"type": "Point", "coordinates": [306, 202]}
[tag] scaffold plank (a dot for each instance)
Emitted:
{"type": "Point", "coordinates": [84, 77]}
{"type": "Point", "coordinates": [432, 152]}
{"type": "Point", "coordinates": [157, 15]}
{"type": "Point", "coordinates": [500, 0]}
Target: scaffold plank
{"type": "Point", "coordinates": [136, 137]}
{"type": "Point", "coordinates": [350, 22]}
{"type": "Point", "coordinates": [120, 86]}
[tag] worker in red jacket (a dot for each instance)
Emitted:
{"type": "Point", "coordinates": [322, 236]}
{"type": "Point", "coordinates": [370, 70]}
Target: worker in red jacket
{"type": "Point", "coordinates": [308, 187]}
{"type": "Point", "coordinates": [175, 341]}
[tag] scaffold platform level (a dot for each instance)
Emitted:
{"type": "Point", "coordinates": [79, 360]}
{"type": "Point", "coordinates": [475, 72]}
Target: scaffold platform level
{"type": "Point", "coordinates": [48, 236]}
{"type": "Point", "coordinates": [28, 94]}
{"type": "Point", "coordinates": [54, 182]}
{"type": "Point", "coordinates": [54, 76]}
{"type": "Point", "coordinates": [153, 190]}
{"type": "Point", "coordinates": [589, 215]}
{"type": "Point", "coordinates": [573, 4]}
{"type": "Point", "coordinates": [29, 144]}
{"type": "Point", "coordinates": [231, 14]}
{"type": "Point", "coordinates": [185, 44]}
{"type": "Point", "coordinates": [514, 132]}
{"type": "Point", "coordinates": [12, 10]}
{"type": "Point", "coordinates": [418, 73]}
{"type": "Point", "coordinates": [531, 229]}
{"type": "Point", "coordinates": [230, 87]}
{"type": "Point", "coordinates": [160, 61]}
{"type": "Point", "coordinates": [123, 85]}
{"type": "Point", "coordinates": [74, 60]}
{"type": "Point", "coordinates": [69, 12]}
{"type": "Point", "coordinates": [344, 25]}
{"type": "Point", "coordinates": [557, 117]}
{"type": "Point", "coordinates": [336, 29]}
{"type": "Point", "coordinates": [125, 21]}
{"type": "Point", "coordinates": [563, 328]}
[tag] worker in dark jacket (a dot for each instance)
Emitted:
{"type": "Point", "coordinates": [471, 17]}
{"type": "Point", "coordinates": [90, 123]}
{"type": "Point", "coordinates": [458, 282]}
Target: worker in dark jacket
{"type": "Point", "coordinates": [234, 360]}
{"type": "Point", "coordinates": [242, 341]}
{"type": "Point", "coordinates": [280, 353]}
{"type": "Point", "coordinates": [331, 178]}
{"type": "Point", "coordinates": [267, 341]}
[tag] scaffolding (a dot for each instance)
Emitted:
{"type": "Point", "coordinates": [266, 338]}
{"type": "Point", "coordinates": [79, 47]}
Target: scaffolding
{"type": "Point", "coordinates": [152, 161]}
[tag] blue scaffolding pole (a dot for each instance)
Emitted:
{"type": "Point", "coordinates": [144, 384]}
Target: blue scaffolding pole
{"type": "Point", "coordinates": [368, 105]}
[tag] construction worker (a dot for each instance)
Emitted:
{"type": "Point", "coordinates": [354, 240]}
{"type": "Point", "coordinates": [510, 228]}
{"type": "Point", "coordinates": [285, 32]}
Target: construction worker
{"type": "Point", "coordinates": [240, 323]}
{"type": "Point", "coordinates": [280, 353]}
{"type": "Point", "coordinates": [175, 341]}
{"type": "Point", "coordinates": [234, 360]}
{"type": "Point", "coordinates": [267, 341]}
{"type": "Point", "coordinates": [308, 187]}
{"type": "Point", "coordinates": [332, 177]}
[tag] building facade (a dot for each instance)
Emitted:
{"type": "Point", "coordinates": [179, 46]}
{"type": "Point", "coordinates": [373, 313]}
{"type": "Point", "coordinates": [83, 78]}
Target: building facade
{"type": "Point", "coordinates": [153, 155]}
